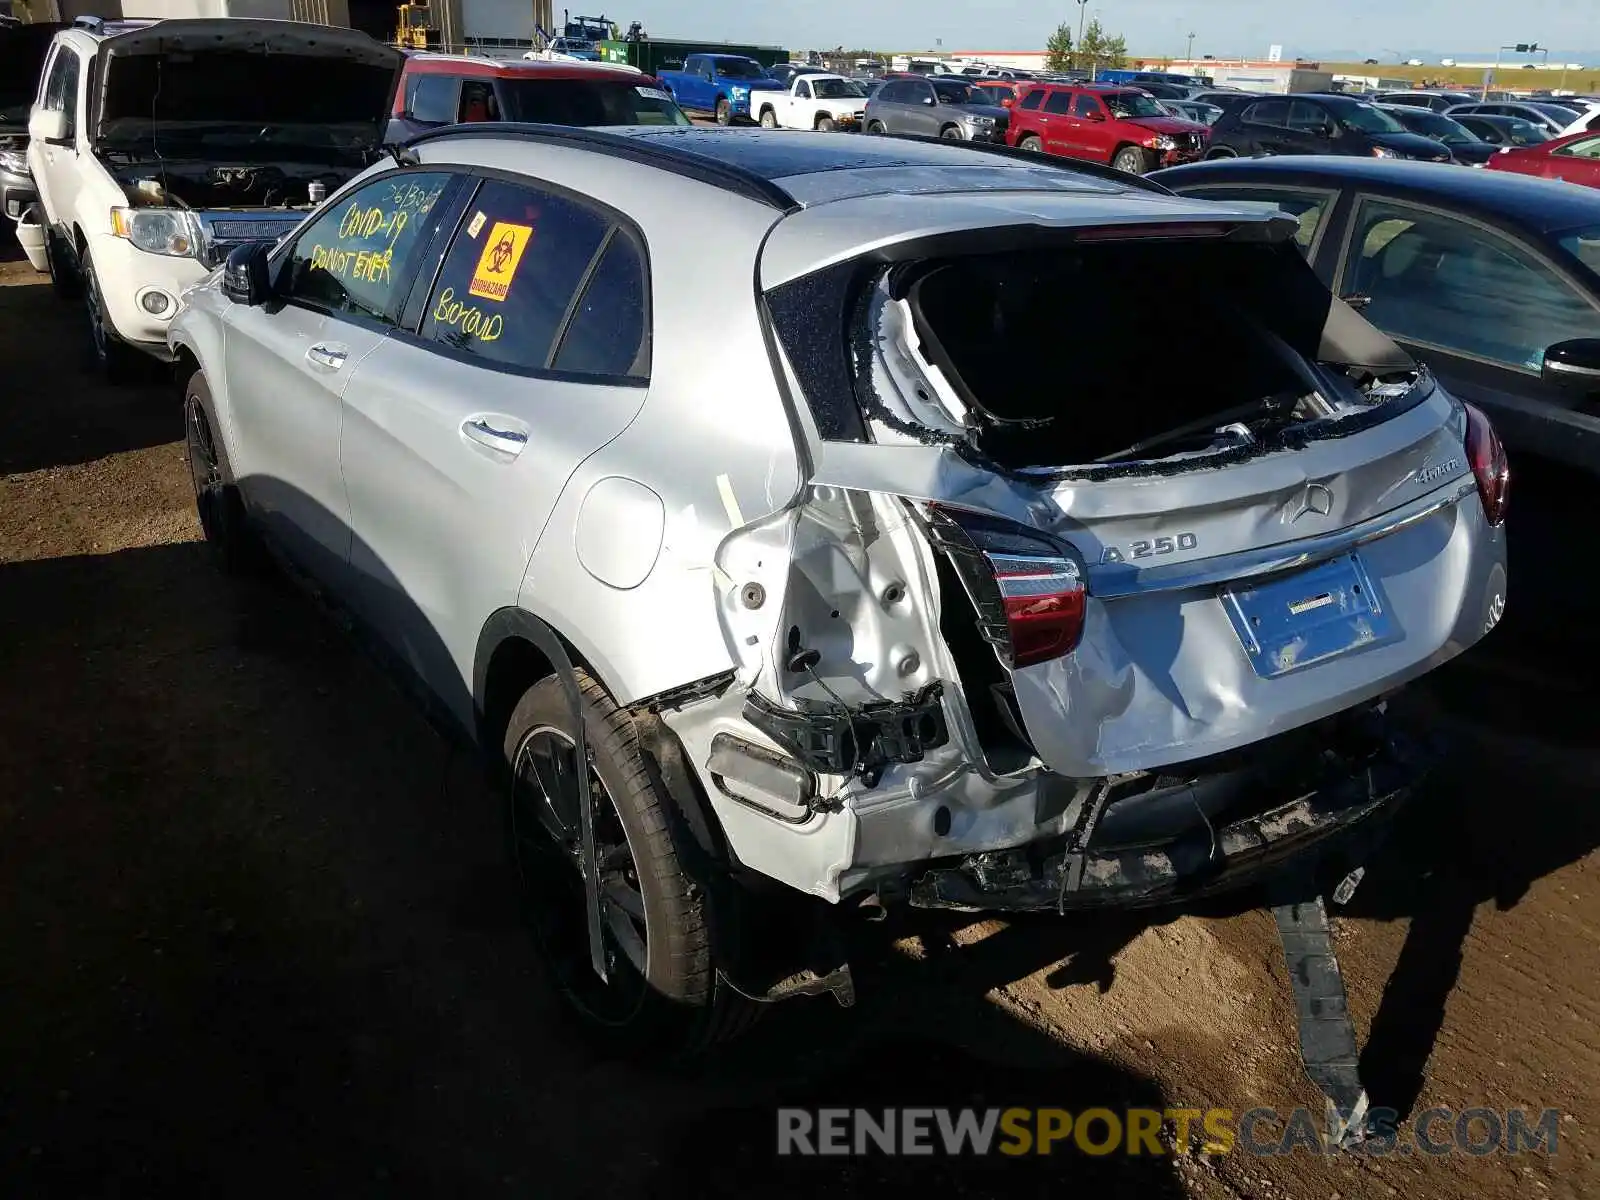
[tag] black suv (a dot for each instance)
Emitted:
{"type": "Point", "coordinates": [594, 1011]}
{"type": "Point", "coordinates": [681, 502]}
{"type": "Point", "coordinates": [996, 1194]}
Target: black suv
{"type": "Point", "coordinates": [1317, 125]}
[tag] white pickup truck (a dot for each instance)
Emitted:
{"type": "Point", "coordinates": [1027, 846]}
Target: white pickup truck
{"type": "Point", "coordinates": [825, 102]}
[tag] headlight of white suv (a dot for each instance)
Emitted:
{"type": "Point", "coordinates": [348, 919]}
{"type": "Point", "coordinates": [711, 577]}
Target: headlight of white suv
{"type": "Point", "coordinates": [981, 122]}
{"type": "Point", "coordinates": [170, 231]}
{"type": "Point", "coordinates": [14, 161]}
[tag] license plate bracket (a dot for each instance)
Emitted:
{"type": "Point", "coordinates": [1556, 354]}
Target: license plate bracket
{"type": "Point", "coordinates": [1295, 621]}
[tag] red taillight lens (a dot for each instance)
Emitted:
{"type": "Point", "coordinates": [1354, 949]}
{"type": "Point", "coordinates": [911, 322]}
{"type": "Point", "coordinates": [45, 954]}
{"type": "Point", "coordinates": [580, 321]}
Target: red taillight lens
{"type": "Point", "coordinates": [1028, 590]}
{"type": "Point", "coordinates": [1489, 464]}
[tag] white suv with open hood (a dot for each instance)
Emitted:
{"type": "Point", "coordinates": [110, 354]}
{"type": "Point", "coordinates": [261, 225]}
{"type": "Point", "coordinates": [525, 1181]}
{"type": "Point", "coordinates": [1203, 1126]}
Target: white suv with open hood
{"type": "Point", "coordinates": [158, 146]}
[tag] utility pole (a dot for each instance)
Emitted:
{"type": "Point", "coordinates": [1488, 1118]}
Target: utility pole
{"type": "Point", "coordinates": [1189, 54]}
{"type": "Point", "coordinates": [1083, 7]}
{"type": "Point", "coordinates": [1520, 48]}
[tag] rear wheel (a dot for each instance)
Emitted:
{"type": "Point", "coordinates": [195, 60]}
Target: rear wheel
{"type": "Point", "coordinates": [826, 124]}
{"type": "Point", "coordinates": [724, 111]}
{"type": "Point", "coordinates": [769, 119]}
{"type": "Point", "coordinates": [876, 128]}
{"type": "Point", "coordinates": [663, 993]}
{"type": "Point", "coordinates": [1135, 160]}
{"type": "Point", "coordinates": [1031, 144]}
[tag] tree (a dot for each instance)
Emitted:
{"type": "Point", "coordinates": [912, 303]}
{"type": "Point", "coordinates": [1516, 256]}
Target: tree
{"type": "Point", "coordinates": [1098, 49]}
{"type": "Point", "coordinates": [1058, 50]}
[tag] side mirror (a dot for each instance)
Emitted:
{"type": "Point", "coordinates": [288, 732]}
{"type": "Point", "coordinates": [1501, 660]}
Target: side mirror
{"type": "Point", "coordinates": [49, 126]}
{"type": "Point", "coordinates": [245, 278]}
{"type": "Point", "coordinates": [929, 101]}
{"type": "Point", "coordinates": [1574, 365]}
{"type": "Point", "coordinates": [1095, 116]}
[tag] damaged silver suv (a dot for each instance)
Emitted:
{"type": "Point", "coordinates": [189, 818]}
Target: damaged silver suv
{"type": "Point", "coordinates": [871, 544]}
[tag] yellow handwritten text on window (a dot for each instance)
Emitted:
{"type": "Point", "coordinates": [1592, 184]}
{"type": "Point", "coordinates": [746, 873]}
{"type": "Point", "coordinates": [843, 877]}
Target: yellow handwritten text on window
{"type": "Point", "coordinates": [468, 318]}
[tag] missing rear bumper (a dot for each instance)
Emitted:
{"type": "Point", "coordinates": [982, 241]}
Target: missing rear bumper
{"type": "Point", "coordinates": [1339, 822]}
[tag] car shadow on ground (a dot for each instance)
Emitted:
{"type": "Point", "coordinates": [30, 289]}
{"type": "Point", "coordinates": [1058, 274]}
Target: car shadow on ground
{"type": "Point", "coordinates": [45, 357]}
{"type": "Point", "coordinates": [260, 936]}
{"type": "Point", "coordinates": [261, 931]}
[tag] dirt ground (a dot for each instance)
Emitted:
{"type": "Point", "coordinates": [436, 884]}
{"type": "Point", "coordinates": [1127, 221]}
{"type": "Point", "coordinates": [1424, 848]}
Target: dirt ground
{"type": "Point", "coordinates": [256, 935]}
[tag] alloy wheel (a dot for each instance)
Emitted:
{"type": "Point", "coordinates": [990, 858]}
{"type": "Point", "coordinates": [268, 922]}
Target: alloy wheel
{"type": "Point", "coordinates": [546, 845]}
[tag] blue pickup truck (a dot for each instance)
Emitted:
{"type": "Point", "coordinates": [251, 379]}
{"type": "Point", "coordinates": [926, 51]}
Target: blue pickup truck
{"type": "Point", "coordinates": [719, 84]}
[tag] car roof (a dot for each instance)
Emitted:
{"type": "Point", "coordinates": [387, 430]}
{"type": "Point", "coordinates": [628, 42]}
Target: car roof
{"type": "Point", "coordinates": [788, 169]}
{"type": "Point", "coordinates": [491, 68]}
{"type": "Point", "coordinates": [1540, 204]}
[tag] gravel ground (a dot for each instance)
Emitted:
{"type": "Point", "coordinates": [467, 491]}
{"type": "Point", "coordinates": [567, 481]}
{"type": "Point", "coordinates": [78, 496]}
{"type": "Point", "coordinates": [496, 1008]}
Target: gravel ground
{"type": "Point", "coordinates": [257, 927]}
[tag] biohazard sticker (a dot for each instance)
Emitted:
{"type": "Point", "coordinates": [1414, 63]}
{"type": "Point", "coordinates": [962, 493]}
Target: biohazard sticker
{"type": "Point", "coordinates": [476, 226]}
{"type": "Point", "coordinates": [497, 265]}
{"type": "Point", "coordinates": [650, 93]}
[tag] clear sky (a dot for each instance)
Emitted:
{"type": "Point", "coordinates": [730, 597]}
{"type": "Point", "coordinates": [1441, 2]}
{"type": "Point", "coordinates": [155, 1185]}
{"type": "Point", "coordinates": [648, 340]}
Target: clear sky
{"type": "Point", "coordinates": [1361, 28]}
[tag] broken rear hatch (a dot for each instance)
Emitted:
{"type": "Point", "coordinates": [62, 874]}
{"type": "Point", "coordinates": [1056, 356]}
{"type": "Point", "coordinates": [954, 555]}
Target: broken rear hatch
{"type": "Point", "coordinates": [230, 88]}
{"type": "Point", "coordinates": [1171, 539]}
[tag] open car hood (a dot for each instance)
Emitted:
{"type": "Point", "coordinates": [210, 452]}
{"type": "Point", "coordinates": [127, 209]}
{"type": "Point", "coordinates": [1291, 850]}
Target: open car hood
{"type": "Point", "coordinates": [22, 51]}
{"type": "Point", "coordinates": [308, 90]}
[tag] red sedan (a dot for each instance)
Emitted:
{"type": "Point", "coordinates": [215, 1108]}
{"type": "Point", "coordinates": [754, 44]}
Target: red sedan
{"type": "Point", "coordinates": [1575, 158]}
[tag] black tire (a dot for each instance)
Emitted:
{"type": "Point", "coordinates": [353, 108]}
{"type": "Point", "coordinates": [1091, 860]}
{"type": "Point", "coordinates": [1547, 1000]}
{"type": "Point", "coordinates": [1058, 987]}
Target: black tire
{"type": "Point", "coordinates": [768, 119]}
{"type": "Point", "coordinates": [1031, 144]}
{"type": "Point", "coordinates": [64, 280]}
{"type": "Point", "coordinates": [724, 111]}
{"type": "Point", "coordinates": [233, 544]}
{"type": "Point", "coordinates": [876, 128]}
{"type": "Point", "coordinates": [664, 997]}
{"type": "Point", "coordinates": [1221, 152]}
{"type": "Point", "coordinates": [826, 124]}
{"type": "Point", "coordinates": [1135, 160]}
{"type": "Point", "coordinates": [111, 358]}
{"type": "Point", "coordinates": [951, 133]}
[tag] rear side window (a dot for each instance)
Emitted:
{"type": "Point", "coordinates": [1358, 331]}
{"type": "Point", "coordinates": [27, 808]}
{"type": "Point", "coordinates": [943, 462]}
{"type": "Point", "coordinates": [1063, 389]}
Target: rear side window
{"type": "Point", "coordinates": [432, 98]}
{"type": "Point", "coordinates": [1269, 112]}
{"type": "Point", "coordinates": [608, 333]}
{"type": "Point", "coordinates": [1308, 117]}
{"type": "Point", "coordinates": [511, 274]}
{"type": "Point", "coordinates": [1033, 99]}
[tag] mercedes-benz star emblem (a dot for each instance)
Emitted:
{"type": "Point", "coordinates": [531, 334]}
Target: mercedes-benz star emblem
{"type": "Point", "coordinates": [1316, 499]}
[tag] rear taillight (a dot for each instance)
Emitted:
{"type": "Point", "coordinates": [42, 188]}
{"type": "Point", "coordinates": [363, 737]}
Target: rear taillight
{"type": "Point", "coordinates": [1489, 465]}
{"type": "Point", "coordinates": [1027, 589]}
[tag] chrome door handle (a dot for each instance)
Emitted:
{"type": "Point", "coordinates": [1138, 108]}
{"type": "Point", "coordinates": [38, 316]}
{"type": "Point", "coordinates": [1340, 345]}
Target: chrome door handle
{"type": "Point", "coordinates": [507, 441]}
{"type": "Point", "coordinates": [324, 355]}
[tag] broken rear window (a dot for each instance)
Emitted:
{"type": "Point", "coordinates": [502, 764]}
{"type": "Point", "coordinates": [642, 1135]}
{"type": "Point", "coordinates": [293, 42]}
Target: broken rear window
{"type": "Point", "coordinates": [1048, 357]}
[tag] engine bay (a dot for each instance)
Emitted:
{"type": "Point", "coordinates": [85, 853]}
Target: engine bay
{"type": "Point", "coordinates": [168, 183]}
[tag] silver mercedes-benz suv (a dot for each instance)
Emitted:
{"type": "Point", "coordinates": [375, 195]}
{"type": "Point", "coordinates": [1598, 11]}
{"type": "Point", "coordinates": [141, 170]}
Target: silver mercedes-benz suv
{"type": "Point", "coordinates": [782, 508]}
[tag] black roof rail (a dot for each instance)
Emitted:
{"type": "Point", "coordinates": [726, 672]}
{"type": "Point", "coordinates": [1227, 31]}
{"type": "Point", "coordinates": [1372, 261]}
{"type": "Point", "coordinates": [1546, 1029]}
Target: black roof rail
{"type": "Point", "coordinates": [636, 149]}
{"type": "Point", "coordinates": [1076, 166]}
